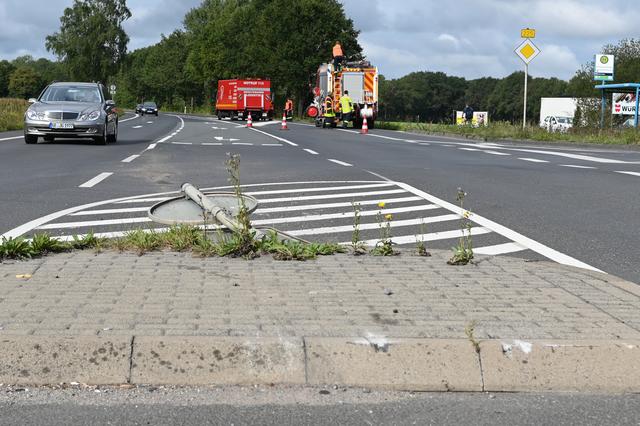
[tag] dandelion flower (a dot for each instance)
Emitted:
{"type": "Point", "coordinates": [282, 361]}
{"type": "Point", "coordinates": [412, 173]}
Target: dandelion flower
{"type": "Point", "coordinates": [467, 214]}
{"type": "Point", "coordinates": [381, 204]}
{"type": "Point", "coordinates": [388, 217]}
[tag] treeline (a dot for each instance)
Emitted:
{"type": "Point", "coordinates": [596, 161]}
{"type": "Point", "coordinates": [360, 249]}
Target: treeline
{"type": "Point", "coordinates": [25, 77]}
{"type": "Point", "coordinates": [433, 96]}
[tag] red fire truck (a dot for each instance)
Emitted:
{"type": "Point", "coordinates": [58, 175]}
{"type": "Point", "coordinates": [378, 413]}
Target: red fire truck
{"type": "Point", "coordinates": [238, 98]}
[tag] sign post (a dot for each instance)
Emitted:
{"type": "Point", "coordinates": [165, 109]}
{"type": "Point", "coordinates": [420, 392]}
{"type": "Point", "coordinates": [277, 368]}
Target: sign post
{"type": "Point", "coordinates": [604, 66]}
{"type": "Point", "coordinates": [526, 51]}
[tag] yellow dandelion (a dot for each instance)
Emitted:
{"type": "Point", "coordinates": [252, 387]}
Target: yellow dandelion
{"type": "Point", "coordinates": [381, 204]}
{"type": "Point", "coordinates": [467, 214]}
{"type": "Point", "coordinates": [388, 217]}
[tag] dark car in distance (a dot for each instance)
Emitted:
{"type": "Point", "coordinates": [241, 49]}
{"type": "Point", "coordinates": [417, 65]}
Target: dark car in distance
{"type": "Point", "coordinates": [138, 109]}
{"type": "Point", "coordinates": [150, 108]}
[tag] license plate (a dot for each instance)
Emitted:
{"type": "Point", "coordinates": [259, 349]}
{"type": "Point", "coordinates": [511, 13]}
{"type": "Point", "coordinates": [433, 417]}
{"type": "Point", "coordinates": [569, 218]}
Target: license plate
{"type": "Point", "coordinates": [58, 125]}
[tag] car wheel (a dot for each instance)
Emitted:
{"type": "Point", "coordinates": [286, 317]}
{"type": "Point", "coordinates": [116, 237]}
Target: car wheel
{"type": "Point", "coordinates": [30, 139]}
{"type": "Point", "coordinates": [102, 140]}
{"type": "Point", "coordinates": [49, 138]}
{"type": "Point", "coordinates": [114, 137]}
{"type": "Point", "coordinates": [156, 114]}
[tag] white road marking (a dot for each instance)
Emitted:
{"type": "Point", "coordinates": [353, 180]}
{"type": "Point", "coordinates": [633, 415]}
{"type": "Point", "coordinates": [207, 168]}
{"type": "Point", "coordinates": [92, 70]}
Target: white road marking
{"type": "Point", "coordinates": [94, 223]}
{"type": "Point", "coordinates": [220, 138]}
{"type": "Point", "coordinates": [568, 155]}
{"type": "Point", "coordinates": [321, 189]}
{"type": "Point", "coordinates": [275, 137]}
{"type": "Point", "coordinates": [495, 153]}
{"type": "Point", "coordinates": [149, 122]}
{"type": "Point", "coordinates": [129, 119]}
{"type": "Point", "coordinates": [628, 173]}
{"type": "Point", "coordinates": [96, 180]}
{"type": "Point", "coordinates": [424, 143]}
{"type": "Point", "coordinates": [547, 252]}
{"type": "Point", "coordinates": [533, 160]}
{"type": "Point", "coordinates": [574, 166]}
{"type": "Point", "coordinates": [219, 128]}
{"type": "Point", "coordinates": [152, 146]}
{"type": "Point", "coordinates": [499, 249]}
{"type": "Point", "coordinates": [182, 143]}
{"type": "Point", "coordinates": [242, 143]}
{"type": "Point", "coordinates": [166, 138]}
{"type": "Point", "coordinates": [468, 149]}
{"type": "Point", "coordinates": [137, 127]}
{"type": "Point", "coordinates": [110, 211]}
{"type": "Point", "coordinates": [212, 144]}
{"type": "Point", "coordinates": [272, 144]}
{"type": "Point", "coordinates": [143, 200]}
{"type": "Point", "coordinates": [310, 151]}
{"type": "Point", "coordinates": [12, 138]}
{"type": "Point", "coordinates": [342, 163]}
{"type": "Point", "coordinates": [448, 146]}
{"type": "Point", "coordinates": [338, 205]}
{"type": "Point", "coordinates": [343, 215]}
{"type": "Point", "coordinates": [367, 226]}
{"type": "Point", "coordinates": [323, 197]}
{"type": "Point", "coordinates": [131, 158]}
{"type": "Point", "coordinates": [434, 236]}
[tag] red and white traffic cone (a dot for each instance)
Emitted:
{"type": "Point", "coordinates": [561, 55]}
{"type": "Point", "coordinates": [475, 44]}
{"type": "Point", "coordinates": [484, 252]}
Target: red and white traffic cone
{"type": "Point", "coordinates": [284, 122]}
{"type": "Point", "coordinates": [365, 127]}
{"type": "Point", "coordinates": [249, 121]}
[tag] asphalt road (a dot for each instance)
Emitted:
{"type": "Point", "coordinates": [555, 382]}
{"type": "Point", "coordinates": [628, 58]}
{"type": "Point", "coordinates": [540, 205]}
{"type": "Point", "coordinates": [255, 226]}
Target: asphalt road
{"type": "Point", "coordinates": [581, 202]}
{"type": "Point", "coordinates": [307, 406]}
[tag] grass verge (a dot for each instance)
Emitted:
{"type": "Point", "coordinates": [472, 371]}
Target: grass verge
{"type": "Point", "coordinates": [501, 130]}
{"type": "Point", "coordinates": [12, 114]}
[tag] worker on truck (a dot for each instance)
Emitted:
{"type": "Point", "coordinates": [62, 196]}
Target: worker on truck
{"type": "Point", "coordinates": [338, 55]}
{"type": "Point", "coordinates": [346, 108]}
{"type": "Point", "coordinates": [329, 113]}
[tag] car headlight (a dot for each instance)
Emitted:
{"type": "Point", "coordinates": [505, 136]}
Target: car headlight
{"type": "Point", "coordinates": [35, 115]}
{"type": "Point", "coordinates": [91, 116]}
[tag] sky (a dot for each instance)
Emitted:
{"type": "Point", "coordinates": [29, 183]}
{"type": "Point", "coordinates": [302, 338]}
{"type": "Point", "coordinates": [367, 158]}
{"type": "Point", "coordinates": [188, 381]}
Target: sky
{"type": "Point", "coordinates": [467, 38]}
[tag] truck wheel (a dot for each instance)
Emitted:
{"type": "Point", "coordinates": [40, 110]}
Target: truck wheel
{"type": "Point", "coordinates": [318, 123]}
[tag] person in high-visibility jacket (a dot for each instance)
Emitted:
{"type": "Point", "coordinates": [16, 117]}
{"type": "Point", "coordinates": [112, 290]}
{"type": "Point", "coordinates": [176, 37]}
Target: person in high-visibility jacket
{"type": "Point", "coordinates": [288, 109]}
{"type": "Point", "coordinates": [329, 113]}
{"type": "Point", "coordinates": [346, 107]}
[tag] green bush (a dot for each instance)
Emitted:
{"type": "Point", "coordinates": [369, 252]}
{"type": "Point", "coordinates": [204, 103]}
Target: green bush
{"type": "Point", "coordinates": [12, 114]}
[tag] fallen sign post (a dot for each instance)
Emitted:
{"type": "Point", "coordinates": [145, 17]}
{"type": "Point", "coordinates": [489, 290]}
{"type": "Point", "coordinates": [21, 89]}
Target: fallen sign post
{"type": "Point", "coordinates": [526, 51]}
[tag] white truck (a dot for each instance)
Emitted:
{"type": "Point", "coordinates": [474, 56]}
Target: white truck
{"type": "Point", "coordinates": [556, 114]}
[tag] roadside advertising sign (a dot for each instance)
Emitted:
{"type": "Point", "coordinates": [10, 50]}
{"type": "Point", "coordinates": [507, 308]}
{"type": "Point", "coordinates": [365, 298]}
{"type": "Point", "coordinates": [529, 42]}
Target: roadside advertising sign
{"type": "Point", "coordinates": [480, 118]}
{"type": "Point", "coordinates": [527, 51]}
{"type": "Point", "coordinates": [624, 104]}
{"type": "Point", "coordinates": [604, 68]}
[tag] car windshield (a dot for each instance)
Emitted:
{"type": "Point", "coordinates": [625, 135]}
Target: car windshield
{"type": "Point", "coordinates": [71, 94]}
{"type": "Point", "coordinates": [563, 120]}
{"type": "Point", "coordinates": [150, 104]}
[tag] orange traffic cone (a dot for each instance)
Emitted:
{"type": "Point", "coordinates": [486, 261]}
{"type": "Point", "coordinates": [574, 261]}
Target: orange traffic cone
{"type": "Point", "coordinates": [249, 121]}
{"type": "Point", "coordinates": [284, 122]}
{"type": "Point", "coordinates": [365, 127]}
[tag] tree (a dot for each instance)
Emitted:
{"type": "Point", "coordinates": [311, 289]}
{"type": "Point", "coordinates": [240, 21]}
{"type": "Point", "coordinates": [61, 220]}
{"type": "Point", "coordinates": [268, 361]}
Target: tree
{"type": "Point", "coordinates": [6, 68]}
{"type": "Point", "coordinates": [91, 42]}
{"type": "Point", "coordinates": [24, 83]}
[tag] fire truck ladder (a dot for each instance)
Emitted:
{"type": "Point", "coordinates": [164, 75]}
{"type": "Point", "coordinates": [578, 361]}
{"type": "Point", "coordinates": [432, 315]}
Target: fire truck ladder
{"type": "Point", "coordinates": [337, 90]}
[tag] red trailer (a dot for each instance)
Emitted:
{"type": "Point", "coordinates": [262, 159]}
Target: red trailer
{"type": "Point", "coordinates": [238, 98]}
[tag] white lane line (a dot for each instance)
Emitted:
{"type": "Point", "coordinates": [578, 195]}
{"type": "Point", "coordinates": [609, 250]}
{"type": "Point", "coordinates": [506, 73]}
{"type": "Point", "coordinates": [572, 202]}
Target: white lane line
{"type": "Point", "coordinates": [166, 138]}
{"type": "Point", "coordinates": [343, 215]}
{"type": "Point", "coordinates": [342, 163]}
{"type": "Point", "coordinates": [567, 155]}
{"type": "Point", "coordinates": [424, 143]}
{"type": "Point", "coordinates": [533, 160]}
{"type": "Point", "coordinates": [137, 127]}
{"type": "Point", "coordinates": [143, 200]}
{"type": "Point", "coordinates": [628, 173]}
{"type": "Point", "coordinates": [131, 158]}
{"type": "Point", "coordinates": [212, 143]}
{"type": "Point", "coordinates": [93, 223]}
{"type": "Point", "coordinates": [110, 211]}
{"type": "Point", "coordinates": [434, 236]}
{"type": "Point", "coordinates": [325, 196]}
{"type": "Point", "coordinates": [274, 137]}
{"type": "Point", "coordinates": [129, 119]}
{"type": "Point", "coordinates": [182, 143]}
{"type": "Point", "coordinates": [468, 149]}
{"type": "Point", "coordinates": [310, 151]}
{"type": "Point", "coordinates": [547, 252]}
{"type": "Point", "coordinates": [152, 146]}
{"type": "Point", "coordinates": [574, 166]}
{"type": "Point", "coordinates": [448, 146]}
{"type": "Point", "coordinates": [495, 153]}
{"type": "Point", "coordinates": [96, 180]}
{"type": "Point", "coordinates": [12, 138]}
{"type": "Point", "coordinates": [149, 122]}
{"type": "Point", "coordinates": [338, 205]}
{"type": "Point", "coordinates": [242, 143]}
{"type": "Point", "coordinates": [272, 144]}
{"type": "Point", "coordinates": [499, 249]}
{"type": "Point", "coordinates": [366, 226]}
{"type": "Point", "coordinates": [321, 189]}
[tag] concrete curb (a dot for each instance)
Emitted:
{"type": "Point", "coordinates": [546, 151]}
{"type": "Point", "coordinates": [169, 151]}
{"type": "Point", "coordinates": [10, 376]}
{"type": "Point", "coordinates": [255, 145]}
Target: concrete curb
{"type": "Point", "coordinates": [399, 364]}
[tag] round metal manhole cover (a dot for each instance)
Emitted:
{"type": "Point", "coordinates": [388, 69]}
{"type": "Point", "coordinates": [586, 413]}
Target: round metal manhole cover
{"type": "Point", "coordinates": [181, 210]}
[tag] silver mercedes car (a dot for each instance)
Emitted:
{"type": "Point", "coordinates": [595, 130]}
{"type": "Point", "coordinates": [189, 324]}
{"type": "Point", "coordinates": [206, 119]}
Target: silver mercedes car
{"type": "Point", "coordinates": [72, 110]}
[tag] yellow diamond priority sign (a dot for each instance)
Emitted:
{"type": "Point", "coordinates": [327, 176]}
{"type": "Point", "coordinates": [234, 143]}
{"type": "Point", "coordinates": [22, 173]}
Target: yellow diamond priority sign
{"type": "Point", "coordinates": [527, 51]}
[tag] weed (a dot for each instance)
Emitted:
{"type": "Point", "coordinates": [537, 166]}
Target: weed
{"type": "Point", "coordinates": [143, 242]}
{"type": "Point", "coordinates": [42, 244]}
{"type": "Point", "coordinates": [120, 244]}
{"type": "Point", "coordinates": [421, 245]}
{"type": "Point", "coordinates": [384, 247]}
{"type": "Point", "coordinates": [243, 243]}
{"type": "Point", "coordinates": [463, 252]}
{"type": "Point", "coordinates": [205, 247]}
{"type": "Point", "coordinates": [181, 237]}
{"type": "Point", "coordinates": [358, 247]}
{"type": "Point", "coordinates": [15, 248]}
{"type": "Point", "coordinates": [87, 241]}
{"type": "Point", "coordinates": [470, 330]}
